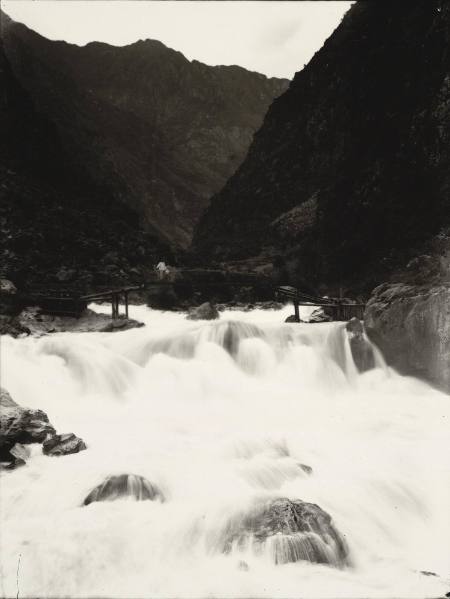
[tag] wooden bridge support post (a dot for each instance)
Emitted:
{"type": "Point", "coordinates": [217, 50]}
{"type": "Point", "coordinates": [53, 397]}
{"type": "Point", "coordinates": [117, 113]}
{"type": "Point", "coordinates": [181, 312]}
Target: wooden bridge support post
{"type": "Point", "coordinates": [115, 305]}
{"type": "Point", "coordinates": [296, 311]}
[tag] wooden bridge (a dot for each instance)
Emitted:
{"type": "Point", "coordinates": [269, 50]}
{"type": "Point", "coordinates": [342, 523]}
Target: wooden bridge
{"type": "Point", "coordinates": [338, 309]}
{"type": "Point", "coordinates": [114, 296]}
{"type": "Point", "coordinates": [61, 303]}
{"type": "Point", "coordinates": [64, 303]}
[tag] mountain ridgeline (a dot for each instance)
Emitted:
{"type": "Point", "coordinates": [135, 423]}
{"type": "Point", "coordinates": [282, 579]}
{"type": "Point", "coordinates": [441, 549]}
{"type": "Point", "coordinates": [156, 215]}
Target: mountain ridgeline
{"type": "Point", "coordinates": [109, 155]}
{"type": "Point", "coordinates": [142, 122]}
{"type": "Point", "coordinates": [349, 173]}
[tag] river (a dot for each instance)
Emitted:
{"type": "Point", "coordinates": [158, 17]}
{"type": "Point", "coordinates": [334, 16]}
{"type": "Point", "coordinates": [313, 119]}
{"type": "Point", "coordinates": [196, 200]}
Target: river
{"type": "Point", "coordinates": [218, 415]}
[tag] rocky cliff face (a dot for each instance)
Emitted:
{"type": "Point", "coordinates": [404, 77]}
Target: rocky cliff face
{"type": "Point", "coordinates": [411, 326]}
{"type": "Point", "coordinates": [349, 173]}
{"type": "Point", "coordinates": [141, 124]}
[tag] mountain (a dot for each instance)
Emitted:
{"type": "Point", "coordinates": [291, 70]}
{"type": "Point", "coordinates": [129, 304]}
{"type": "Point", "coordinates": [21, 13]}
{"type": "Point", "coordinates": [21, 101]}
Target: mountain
{"type": "Point", "coordinates": [52, 228]}
{"type": "Point", "coordinates": [141, 124]}
{"type": "Point", "coordinates": [349, 175]}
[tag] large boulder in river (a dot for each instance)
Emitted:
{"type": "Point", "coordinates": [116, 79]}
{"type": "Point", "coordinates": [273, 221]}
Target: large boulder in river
{"type": "Point", "coordinates": [319, 315]}
{"type": "Point", "coordinates": [20, 426]}
{"type": "Point", "coordinates": [206, 311]}
{"type": "Point", "coordinates": [293, 318]}
{"type": "Point", "coordinates": [294, 529]}
{"type": "Point", "coordinates": [64, 444]}
{"type": "Point", "coordinates": [411, 326]}
{"type": "Point", "coordinates": [124, 486]}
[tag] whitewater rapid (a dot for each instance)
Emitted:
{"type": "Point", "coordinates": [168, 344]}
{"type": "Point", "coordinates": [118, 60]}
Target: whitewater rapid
{"type": "Point", "coordinates": [217, 414]}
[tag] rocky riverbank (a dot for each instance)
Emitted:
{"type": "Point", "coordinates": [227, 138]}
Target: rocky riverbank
{"type": "Point", "coordinates": [411, 326]}
{"type": "Point", "coordinates": [18, 319]}
{"type": "Point", "coordinates": [32, 321]}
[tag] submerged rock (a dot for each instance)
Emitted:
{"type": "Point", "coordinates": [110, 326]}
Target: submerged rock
{"type": "Point", "coordinates": [361, 348]}
{"type": "Point", "coordinates": [124, 486]}
{"type": "Point", "coordinates": [63, 445]}
{"type": "Point", "coordinates": [206, 311]}
{"type": "Point", "coordinates": [410, 324]}
{"type": "Point", "coordinates": [307, 469]}
{"type": "Point", "coordinates": [293, 530]}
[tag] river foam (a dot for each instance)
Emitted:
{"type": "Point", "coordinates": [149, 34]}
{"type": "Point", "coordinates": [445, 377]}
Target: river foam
{"type": "Point", "coordinates": [218, 415]}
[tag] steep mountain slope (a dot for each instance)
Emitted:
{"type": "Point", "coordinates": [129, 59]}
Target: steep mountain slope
{"type": "Point", "coordinates": [141, 123]}
{"type": "Point", "coordinates": [350, 170]}
{"type": "Point", "coordinates": [52, 228]}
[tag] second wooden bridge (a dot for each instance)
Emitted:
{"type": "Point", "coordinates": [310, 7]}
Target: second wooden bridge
{"type": "Point", "coordinates": [339, 309]}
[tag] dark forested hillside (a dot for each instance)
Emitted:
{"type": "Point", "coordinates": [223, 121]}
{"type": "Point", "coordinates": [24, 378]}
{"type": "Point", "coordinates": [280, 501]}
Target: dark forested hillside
{"type": "Point", "coordinates": [141, 124]}
{"type": "Point", "coordinates": [350, 170]}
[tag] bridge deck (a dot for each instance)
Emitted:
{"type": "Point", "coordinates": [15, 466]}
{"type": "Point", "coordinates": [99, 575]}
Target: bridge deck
{"type": "Point", "coordinates": [338, 308]}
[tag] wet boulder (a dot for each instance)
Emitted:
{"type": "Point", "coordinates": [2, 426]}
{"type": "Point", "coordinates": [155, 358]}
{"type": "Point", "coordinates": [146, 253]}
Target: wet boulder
{"type": "Point", "coordinates": [10, 326]}
{"type": "Point", "coordinates": [64, 444]}
{"type": "Point", "coordinates": [206, 311]}
{"type": "Point", "coordinates": [22, 425]}
{"type": "Point", "coordinates": [320, 315]}
{"type": "Point", "coordinates": [410, 324]}
{"type": "Point", "coordinates": [19, 426]}
{"type": "Point", "coordinates": [361, 348]}
{"type": "Point", "coordinates": [293, 318]}
{"type": "Point", "coordinates": [291, 529]}
{"type": "Point", "coordinates": [124, 486]}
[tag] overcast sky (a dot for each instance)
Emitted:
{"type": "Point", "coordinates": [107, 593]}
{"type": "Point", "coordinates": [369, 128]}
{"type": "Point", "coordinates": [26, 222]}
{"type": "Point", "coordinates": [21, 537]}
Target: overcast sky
{"type": "Point", "coordinates": [275, 38]}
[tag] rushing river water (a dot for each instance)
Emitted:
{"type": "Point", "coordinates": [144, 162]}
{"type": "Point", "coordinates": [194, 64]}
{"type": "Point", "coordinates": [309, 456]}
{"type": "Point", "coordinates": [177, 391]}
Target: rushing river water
{"type": "Point", "coordinates": [218, 415]}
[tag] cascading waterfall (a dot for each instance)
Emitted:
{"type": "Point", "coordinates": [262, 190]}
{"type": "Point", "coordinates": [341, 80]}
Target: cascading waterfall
{"type": "Point", "coordinates": [206, 422]}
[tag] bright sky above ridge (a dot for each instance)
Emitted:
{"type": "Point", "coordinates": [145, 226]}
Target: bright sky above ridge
{"type": "Point", "coordinates": [274, 38]}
